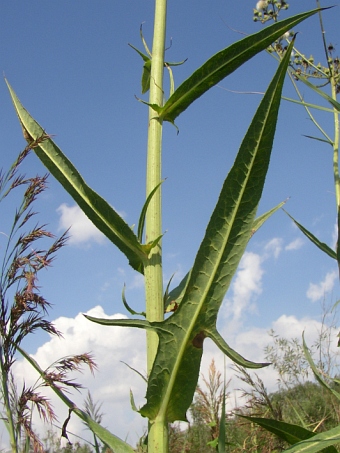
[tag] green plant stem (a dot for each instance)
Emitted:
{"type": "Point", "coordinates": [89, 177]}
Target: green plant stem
{"type": "Point", "coordinates": [336, 149]}
{"type": "Point", "coordinates": [311, 116]}
{"type": "Point", "coordinates": [6, 402]}
{"type": "Point", "coordinates": [153, 268]}
{"type": "Point", "coordinates": [158, 432]}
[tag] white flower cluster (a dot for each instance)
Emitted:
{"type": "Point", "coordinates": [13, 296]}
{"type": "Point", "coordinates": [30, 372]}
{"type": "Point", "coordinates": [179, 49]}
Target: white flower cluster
{"type": "Point", "coordinates": [262, 4]}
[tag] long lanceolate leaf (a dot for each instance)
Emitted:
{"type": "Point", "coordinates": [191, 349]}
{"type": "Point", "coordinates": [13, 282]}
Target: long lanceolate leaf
{"type": "Point", "coordinates": [222, 64]}
{"type": "Point", "coordinates": [174, 375]}
{"type": "Point", "coordinates": [175, 296]}
{"type": "Point", "coordinates": [113, 442]}
{"type": "Point", "coordinates": [104, 217]}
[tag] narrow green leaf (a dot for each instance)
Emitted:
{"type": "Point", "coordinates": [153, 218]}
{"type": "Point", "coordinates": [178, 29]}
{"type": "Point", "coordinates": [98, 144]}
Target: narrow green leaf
{"type": "Point", "coordinates": [127, 306]}
{"type": "Point", "coordinates": [132, 402]}
{"type": "Point", "coordinates": [177, 293]}
{"type": "Point", "coordinates": [174, 375]}
{"type": "Point", "coordinates": [319, 139]}
{"type": "Point", "coordinates": [146, 76]}
{"type": "Point", "coordinates": [328, 98]}
{"type": "Point", "coordinates": [264, 217]}
{"type": "Point", "coordinates": [316, 372]}
{"type": "Point", "coordinates": [224, 63]}
{"type": "Point", "coordinates": [146, 70]}
{"type": "Point", "coordinates": [113, 442]}
{"type": "Point", "coordinates": [286, 431]}
{"type": "Point", "coordinates": [321, 245]}
{"type": "Point", "coordinates": [141, 222]}
{"type": "Point", "coordinates": [136, 371]}
{"type": "Point", "coordinates": [103, 216]}
{"type": "Point", "coordinates": [231, 353]}
{"type": "Point", "coordinates": [143, 41]}
{"type": "Point", "coordinates": [166, 293]}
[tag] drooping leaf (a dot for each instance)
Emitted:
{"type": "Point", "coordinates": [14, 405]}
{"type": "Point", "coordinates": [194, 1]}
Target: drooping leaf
{"type": "Point", "coordinates": [321, 245]}
{"type": "Point", "coordinates": [99, 211]}
{"type": "Point", "coordinates": [127, 306]}
{"type": "Point", "coordinates": [224, 63]}
{"type": "Point", "coordinates": [286, 431]}
{"type": "Point", "coordinates": [175, 371]}
{"type": "Point", "coordinates": [113, 442]}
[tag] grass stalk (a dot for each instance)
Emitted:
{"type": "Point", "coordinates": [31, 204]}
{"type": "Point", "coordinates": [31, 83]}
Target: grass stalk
{"type": "Point", "coordinates": [9, 413]}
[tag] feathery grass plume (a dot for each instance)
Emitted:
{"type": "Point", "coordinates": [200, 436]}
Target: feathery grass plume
{"type": "Point", "coordinates": [23, 310]}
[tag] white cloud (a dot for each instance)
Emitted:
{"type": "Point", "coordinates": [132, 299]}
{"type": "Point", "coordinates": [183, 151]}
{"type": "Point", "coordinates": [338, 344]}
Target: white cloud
{"type": "Point", "coordinates": [81, 228]}
{"type": "Point", "coordinates": [335, 235]}
{"type": "Point", "coordinates": [112, 382]}
{"type": "Point", "coordinates": [273, 247]}
{"type": "Point", "coordinates": [294, 245]}
{"type": "Point", "coordinates": [318, 291]}
{"type": "Point", "coordinates": [247, 283]}
{"type": "Point", "coordinates": [250, 343]}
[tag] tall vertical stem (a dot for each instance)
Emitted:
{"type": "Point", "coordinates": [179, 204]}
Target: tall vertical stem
{"type": "Point", "coordinates": [158, 433]}
{"type": "Point", "coordinates": [336, 167]}
{"type": "Point", "coordinates": [153, 269]}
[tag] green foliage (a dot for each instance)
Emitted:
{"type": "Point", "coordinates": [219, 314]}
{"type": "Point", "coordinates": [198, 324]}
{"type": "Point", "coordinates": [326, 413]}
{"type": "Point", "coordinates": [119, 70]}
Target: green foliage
{"type": "Point", "coordinates": [175, 344]}
{"type": "Point", "coordinates": [315, 77]}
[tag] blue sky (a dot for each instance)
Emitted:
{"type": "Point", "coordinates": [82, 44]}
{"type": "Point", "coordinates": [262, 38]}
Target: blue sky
{"type": "Point", "coordinates": [72, 68]}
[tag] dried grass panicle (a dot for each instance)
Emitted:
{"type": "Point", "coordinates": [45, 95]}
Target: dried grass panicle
{"type": "Point", "coordinates": [42, 404]}
{"type": "Point", "coordinates": [23, 310]}
{"type": "Point", "coordinates": [57, 373]}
